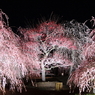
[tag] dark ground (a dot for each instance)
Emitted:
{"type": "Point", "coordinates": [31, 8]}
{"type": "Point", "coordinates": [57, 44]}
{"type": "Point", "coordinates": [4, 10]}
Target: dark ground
{"type": "Point", "coordinates": [36, 91]}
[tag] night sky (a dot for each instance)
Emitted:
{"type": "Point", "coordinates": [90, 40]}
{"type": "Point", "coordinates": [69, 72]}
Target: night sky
{"type": "Point", "coordinates": [28, 12]}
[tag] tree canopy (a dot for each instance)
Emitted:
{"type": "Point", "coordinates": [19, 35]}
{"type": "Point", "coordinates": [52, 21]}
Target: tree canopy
{"type": "Point", "coordinates": [50, 45]}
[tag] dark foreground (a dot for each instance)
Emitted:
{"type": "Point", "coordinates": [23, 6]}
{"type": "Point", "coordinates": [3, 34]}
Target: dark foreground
{"type": "Point", "coordinates": [36, 91]}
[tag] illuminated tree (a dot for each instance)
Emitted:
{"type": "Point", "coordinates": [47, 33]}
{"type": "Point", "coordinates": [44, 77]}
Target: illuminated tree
{"type": "Point", "coordinates": [84, 76]}
{"type": "Point", "coordinates": [14, 64]}
{"type": "Point", "coordinates": [55, 45]}
{"type": "Point", "coordinates": [48, 46]}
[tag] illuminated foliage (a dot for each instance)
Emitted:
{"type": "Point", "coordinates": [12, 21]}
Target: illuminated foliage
{"type": "Point", "coordinates": [48, 46]}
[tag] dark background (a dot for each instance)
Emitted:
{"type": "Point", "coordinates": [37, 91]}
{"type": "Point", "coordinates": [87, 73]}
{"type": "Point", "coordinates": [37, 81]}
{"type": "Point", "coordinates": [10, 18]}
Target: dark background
{"type": "Point", "coordinates": [28, 12]}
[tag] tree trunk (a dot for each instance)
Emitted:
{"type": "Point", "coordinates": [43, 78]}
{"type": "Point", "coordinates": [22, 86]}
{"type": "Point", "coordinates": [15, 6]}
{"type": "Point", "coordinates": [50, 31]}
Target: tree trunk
{"type": "Point", "coordinates": [43, 72]}
{"type": "Point", "coordinates": [94, 90]}
{"type": "Point", "coordinates": [43, 67]}
{"type": "Point", "coordinates": [70, 70]}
